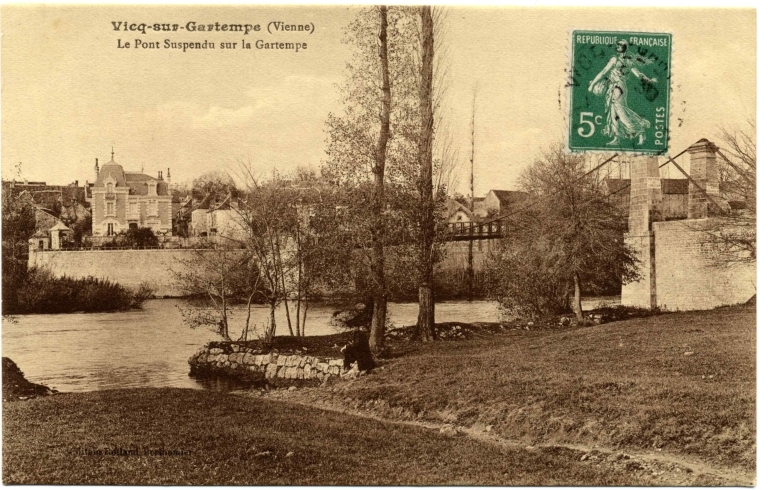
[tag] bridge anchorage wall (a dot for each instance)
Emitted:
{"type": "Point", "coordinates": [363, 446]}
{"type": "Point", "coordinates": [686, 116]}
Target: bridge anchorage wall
{"type": "Point", "coordinates": [678, 271]}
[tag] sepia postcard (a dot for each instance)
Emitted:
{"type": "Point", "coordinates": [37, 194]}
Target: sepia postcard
{"type": "Point", "coordinates": [379, 245]}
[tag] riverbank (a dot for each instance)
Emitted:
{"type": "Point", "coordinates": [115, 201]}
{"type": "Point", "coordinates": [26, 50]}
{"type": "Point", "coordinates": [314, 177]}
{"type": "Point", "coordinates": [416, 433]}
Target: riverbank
{"type": "Point", "coordinates": [677, 385]}
{"type": "Point", "coordinates": [179, 437]}
{"type": "Point", "coordinates": [661, 400]}
{"type": "Point", "coordinates": [38, 291]}
{"type": "Point", "coordinates": [17, 387]}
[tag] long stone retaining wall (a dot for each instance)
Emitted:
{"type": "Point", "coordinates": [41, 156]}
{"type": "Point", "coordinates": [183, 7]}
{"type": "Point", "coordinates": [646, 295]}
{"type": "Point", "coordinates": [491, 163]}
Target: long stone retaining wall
{"type": "Point", "coordinates": [159, 268]}
{"type": "Point", "coordinates": [247, 364]}
{"type": "Point", "coordinates": [129, 268]}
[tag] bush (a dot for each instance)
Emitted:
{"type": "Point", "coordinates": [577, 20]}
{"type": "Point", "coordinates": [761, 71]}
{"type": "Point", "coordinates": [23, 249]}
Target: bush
{"type": "Point", "coordinates": [518, 278]}
{"type": "Point", "coordinates": [141, 237]}
{"type": "Point", "coordinates": [42, 292]}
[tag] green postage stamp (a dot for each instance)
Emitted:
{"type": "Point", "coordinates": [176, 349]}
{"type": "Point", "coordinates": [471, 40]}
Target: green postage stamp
{"type": "Point", "coordinates": [619, 91]}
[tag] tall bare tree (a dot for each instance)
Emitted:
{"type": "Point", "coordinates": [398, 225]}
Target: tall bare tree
{"type": "Point", "coordinates": [426, 319]}
{"type": "Point", "coordinates": [378, 322]}
{"type": "Point", "coordinates": [471, 251]}
{"type": "Point", "coordinates": [733, 238]}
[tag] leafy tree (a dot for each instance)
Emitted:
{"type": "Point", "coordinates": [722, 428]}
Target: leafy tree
{"type": "Point", "coordinates": [519, 276]}
{"type": "Point", "coordinates": [81, 228]}
{"type": "Point", "coordinates": [461, 199]}
{"type": "Point", "coordinates": [215, 181]}
{"type": "Point", "coordinates": [373, 143]}
{"type": "Point", "coordinates": [305, 175]}
{"type": "Point", "coordinates": [18, 226]}
{"type": "Point", "coordinates": [140, 237]}
{"type": "Point", "coordinates": [180, 190]}
{"type": "Point", "coordinates": [568, 237]}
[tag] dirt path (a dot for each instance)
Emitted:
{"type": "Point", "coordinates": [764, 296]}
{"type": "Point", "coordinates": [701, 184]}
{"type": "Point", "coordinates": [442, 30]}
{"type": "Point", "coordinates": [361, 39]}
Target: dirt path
{"type": "Point", "coordinates": [656, 468]}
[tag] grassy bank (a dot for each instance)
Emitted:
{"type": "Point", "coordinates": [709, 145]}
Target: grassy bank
{"type": "Point", "coordinates": [667, 399]}
{"type": "Point", "coordinates": [227, 439]}
{"type": "Point", "coordinates": [679, 383]}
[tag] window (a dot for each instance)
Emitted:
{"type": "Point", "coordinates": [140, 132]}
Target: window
{"type": "Point", "coordinates": [110, 229]}
{"type": "Point", "coordinates": [133, 209]}
{"type": "Point", "coordinates": [41, 245]}
{"type": "Point", "coordinates": [110, 188]}
{"type": "Point", "coordinates": [110, 209]}
{"type": "Point", "coordinates": [152, 208]}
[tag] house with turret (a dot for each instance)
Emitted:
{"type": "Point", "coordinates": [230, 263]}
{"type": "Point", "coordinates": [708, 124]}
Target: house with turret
{"type": "Point", "coordinates": [121, 200]}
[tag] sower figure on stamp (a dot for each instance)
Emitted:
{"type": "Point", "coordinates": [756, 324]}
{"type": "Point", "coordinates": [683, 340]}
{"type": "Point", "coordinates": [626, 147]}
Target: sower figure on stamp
{"type": "Point", "coordinates": [621, 121]}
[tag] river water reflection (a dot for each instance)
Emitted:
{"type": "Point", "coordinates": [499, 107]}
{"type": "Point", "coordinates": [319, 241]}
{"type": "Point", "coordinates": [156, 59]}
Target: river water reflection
{"type": "Point", "coordinates": [150, 347]}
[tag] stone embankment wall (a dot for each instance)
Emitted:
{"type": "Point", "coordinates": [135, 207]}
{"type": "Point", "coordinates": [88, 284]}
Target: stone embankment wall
{"type": "Point", "coordinates": [159, 267]}
{"type": "Point", "coordinates": [235, 361]}
{"type": "Point", "coordinates": [128, 268]}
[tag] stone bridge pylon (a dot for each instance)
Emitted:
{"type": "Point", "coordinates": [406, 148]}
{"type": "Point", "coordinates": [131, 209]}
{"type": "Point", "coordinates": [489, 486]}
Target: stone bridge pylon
{"type": "Point", "coordinates": [645, 209]}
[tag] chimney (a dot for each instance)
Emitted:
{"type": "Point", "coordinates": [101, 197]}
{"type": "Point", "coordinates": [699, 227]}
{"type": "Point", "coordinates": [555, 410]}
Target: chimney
{"type": "Point", "coordinates": [96, 168]}
{"type": "Point", "coordinates": [159, 175]}
{"type": "Point", "coordinates": [168, 176]}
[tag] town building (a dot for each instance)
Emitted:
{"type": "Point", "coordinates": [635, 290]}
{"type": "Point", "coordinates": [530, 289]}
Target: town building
{"type": "Point", "coordinates": [456, 212]}
{"type": "Point", "coordinates": [50, 232]}
{"type": "Point", "coordinates": [56, 208]}
{"type": "Point", "coordinates": [499, 203]}
{"type": "Point", "coordinates": [123, 200]}
{"type": "Point", "coordinates": [213, 216]}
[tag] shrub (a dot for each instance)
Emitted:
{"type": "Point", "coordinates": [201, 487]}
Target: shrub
{"type": "Point", "coordinates": [141, 237]}
{"type": "Point", "coordinates": [520, 280]}
{"type": "Point", "coordinates": [42, 292]}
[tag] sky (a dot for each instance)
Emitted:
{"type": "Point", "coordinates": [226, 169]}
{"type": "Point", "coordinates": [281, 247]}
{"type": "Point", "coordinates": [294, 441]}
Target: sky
{"type": "Point", "coordinates": [69, 94]}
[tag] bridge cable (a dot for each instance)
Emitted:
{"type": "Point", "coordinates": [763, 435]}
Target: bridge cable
{"type": "Point", "coordinates": [530, 204]}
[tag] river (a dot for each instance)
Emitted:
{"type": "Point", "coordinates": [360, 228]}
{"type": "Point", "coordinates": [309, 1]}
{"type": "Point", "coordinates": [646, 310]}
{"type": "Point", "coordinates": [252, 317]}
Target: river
{"type": "Point", "coordinates": [149, 347]}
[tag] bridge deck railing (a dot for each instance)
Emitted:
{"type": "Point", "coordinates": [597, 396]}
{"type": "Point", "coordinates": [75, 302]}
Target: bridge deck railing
{"type": "Point", "coordinates": [491, 229]}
